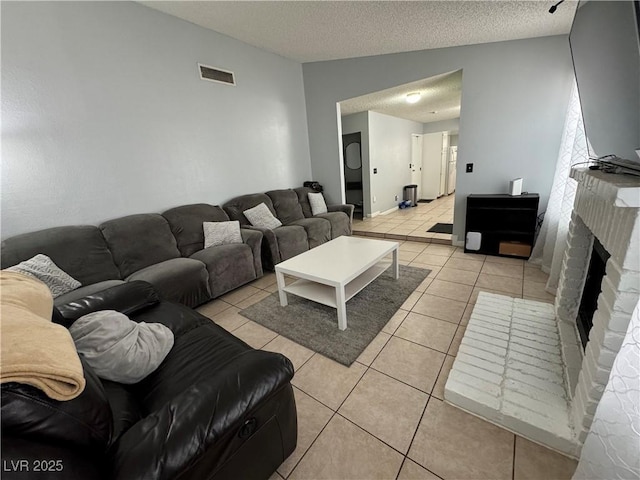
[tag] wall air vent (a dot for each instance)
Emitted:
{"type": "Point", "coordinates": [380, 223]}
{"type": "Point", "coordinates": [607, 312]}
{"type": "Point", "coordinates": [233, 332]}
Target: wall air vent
{"type": "Point", "coordinates": [214, 74]}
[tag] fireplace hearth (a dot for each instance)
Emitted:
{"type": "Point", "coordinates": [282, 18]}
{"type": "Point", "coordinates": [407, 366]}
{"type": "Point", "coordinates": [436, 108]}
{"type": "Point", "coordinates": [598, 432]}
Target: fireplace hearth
{"type": "Point", "coordinates": [525, 365]}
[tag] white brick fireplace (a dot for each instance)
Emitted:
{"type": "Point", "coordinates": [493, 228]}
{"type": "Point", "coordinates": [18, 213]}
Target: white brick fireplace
{"type": "Point", "coordinates": [521, 363]}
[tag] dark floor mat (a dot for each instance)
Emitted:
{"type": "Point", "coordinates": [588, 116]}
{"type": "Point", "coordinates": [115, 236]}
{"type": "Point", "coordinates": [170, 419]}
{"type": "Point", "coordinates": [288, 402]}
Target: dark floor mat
{"type": "Point", "coordinates": [425, 201]}
{"type": "Point", "coordinates": [442, 228]}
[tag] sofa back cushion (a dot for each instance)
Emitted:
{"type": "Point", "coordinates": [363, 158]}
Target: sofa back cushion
{"type": "Point", "coordinates": [236, 206]}
{"type": "Point", "coordinates": [80, 251]}
{"type": "Point", "coordinates": [303, 199]}
{"type": "Point", "coordinates": [138, 241]}
{"type": "Point", "coordinates": [186, 225]}
{"type": "Point", "coordinates": [286, 204]}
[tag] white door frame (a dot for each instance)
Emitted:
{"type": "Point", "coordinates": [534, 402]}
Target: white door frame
{"type": "Point", "coordinates": [416, 162]}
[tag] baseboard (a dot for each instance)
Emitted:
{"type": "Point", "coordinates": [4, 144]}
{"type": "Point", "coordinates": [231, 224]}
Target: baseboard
{"type": "Point", "coordinates": [391, 210]}
{"type": "Point", "coordinates": [374, 214]}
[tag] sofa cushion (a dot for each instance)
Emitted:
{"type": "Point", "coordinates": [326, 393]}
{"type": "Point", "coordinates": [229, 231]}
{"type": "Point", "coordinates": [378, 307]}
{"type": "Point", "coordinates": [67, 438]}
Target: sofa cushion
{"type": "Point", "coordinates": [181, 280]}
{"type": "Point", "coordinates": [286, 205]}
{"type": "Point", "coordinates": [236, 206]}
{"type": "Point", "coordinates": [303, 198]}
{"type": "Point", "coordinates": [138, 241]}
{"type": "Point", "coordinates": [229, 266]}
{"type": "Point", "coordinates": [340, 223]}
{"type": "Point", "coordinates": [80, 251]}
{"type": "Point", "coordinates": [318, 230]}
{"type": "Point", "coordinates": [221, 233]}
{"type": "Point", "coordinates": [186, 225]}
{"type": "Point", "coordinates": [260, 216]}
{"type": "Point", "coordinates": [292, 241]}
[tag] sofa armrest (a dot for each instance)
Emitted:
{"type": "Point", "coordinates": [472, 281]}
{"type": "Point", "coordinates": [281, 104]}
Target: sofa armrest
{"type": "Point", "coordinates": [125, 298]}
{"type": "Point", "coordinates": [346, 208]}
{"type": "Point", "coordinates": [253, 238]}
{"type": "Point", "coordinates": [270, 249]}
{"type": "Point", "coordinates": [199, 425]}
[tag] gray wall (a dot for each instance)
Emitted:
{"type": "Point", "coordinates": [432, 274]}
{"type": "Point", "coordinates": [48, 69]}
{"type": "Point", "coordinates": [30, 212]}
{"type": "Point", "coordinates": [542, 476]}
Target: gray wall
{"type": "Point", "coordinates": [104, 114]}
{"type": "Point", "coordinates": [390, 154]}
{"type": "Point", "coordinates": [514, 100]}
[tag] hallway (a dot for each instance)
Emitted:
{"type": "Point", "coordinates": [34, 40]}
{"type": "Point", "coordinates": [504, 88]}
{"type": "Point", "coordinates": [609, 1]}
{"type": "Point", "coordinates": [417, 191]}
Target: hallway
{"type": "Point", "coordinates": [410, 223]}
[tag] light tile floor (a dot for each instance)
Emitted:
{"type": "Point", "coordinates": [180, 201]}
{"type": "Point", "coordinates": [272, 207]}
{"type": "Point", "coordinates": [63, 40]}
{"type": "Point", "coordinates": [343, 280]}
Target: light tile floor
{"type": "Point", "coordinates": [384, 417]}
{"type": "Point", "coordinates": [410, 223]}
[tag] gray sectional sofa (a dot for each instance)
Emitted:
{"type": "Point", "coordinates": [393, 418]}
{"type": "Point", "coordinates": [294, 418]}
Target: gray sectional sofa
{"type": "Point", "coordinates": [165, 250]}
{"type": "Point", "coordinates": [300, 230]}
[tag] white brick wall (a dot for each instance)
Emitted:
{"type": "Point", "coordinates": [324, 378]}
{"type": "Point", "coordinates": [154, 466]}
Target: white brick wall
{"type": "Point", "coordinates": [520, 363]}
{"type": "Point", "coordinates": [606, 207]}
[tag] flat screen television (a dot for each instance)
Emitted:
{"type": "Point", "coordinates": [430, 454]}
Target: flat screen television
{"type": "Point", "coordinates": [605, 47]}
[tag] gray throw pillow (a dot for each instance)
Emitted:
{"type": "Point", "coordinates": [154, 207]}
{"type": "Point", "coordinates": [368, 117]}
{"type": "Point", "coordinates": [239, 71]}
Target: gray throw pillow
{"type": "Point", "coordinates": [221, 233]}
{"type": "Point", "coordinates": [43, 268]}
{"type": "Point", "coordinates": [261, 216]}
{"type": "Point", "coordinates": [118, 348]}
{"type": "Point", "coordinates": [318, 205]}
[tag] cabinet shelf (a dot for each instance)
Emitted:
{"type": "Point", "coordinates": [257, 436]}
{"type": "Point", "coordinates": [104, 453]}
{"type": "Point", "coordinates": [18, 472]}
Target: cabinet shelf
{"type": "Point", "coordinates": [507, 224]}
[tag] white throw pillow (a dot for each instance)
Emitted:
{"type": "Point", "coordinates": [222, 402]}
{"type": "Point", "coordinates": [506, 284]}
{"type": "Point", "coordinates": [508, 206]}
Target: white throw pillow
{"type": "Point", "coordinates": [318, 205]}
{"type": "Point", "coordinates": [261, 216]}
{"type": "Point", "coordinates": [221, 233]}
{"type": "Point", "coordinates": [43, 268]}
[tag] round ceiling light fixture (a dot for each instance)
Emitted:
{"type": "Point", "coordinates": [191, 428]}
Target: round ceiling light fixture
{"type": "Point", "coordinates": [413, 97]}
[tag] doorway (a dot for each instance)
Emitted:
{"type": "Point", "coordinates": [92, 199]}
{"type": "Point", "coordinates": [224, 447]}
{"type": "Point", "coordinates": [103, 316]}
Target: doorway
{"type": "Point", "coordinates": [352, 155]}
{"type": "Point", "coordinates": [416, 163]}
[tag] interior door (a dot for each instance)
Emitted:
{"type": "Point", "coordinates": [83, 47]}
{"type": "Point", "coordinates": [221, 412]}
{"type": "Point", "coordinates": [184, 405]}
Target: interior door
{"type": "Point", "coordinates": [444, 160]}
{"type": "Point", "coordinates": [453, 164]}
{"type": "Point", "coordinates": [431, 155]}
{"type": "Point", "coordinates": [416, 162]}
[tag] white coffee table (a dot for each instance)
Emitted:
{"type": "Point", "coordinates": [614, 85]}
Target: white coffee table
{"type": "Point", "coordinates": [335, 271]}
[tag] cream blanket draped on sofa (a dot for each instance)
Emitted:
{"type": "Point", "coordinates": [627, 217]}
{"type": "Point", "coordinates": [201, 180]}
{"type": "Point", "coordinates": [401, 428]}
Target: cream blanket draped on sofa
{"type": "Point", "coordinates": [33, 350]}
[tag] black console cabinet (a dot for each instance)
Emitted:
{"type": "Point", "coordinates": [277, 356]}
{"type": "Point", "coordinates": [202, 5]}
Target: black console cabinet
{"type": "Point", "coordinates": [507, 223]}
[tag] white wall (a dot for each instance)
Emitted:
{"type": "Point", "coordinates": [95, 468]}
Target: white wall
{"type": "Point", "coordinates": [104, 115]}
{"type": "Point", "coordinates": [390, 154]}
{"type": "Point", "coordinates": [359, 122]}
{"type": "Point", "coordinates": [611, 448]}
{"type": "Point", "coordinates": [514, 100]}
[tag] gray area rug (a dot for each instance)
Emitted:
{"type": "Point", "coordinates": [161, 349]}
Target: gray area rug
{"type": "Point", "coordinates": [316, 326]}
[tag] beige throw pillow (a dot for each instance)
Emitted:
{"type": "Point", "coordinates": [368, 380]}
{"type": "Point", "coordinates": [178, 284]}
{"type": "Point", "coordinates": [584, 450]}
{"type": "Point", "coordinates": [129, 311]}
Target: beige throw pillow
{"type": "Point", "coordinates": [318, 205]}
{"type": "Point", "coordinates": [260, 216]}
{"type": "Point", "coordinates": [221, 233]}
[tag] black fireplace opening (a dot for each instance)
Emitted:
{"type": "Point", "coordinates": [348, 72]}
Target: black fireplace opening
{"type": "Point", "coordinates": [592, 289]}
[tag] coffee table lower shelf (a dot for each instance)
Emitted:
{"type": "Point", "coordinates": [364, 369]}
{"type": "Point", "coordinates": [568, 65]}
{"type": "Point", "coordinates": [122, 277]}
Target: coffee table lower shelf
{"type": "Point", "coordinates": [326, 294]}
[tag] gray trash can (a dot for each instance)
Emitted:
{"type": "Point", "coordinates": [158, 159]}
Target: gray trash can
{"type": "Point", "coordinates": [410, 192]}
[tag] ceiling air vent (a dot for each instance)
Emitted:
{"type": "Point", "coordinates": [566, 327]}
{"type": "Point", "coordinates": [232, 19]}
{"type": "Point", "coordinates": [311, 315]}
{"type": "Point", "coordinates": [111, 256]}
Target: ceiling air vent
{"type": "Point", "coordinates": [214, 74]}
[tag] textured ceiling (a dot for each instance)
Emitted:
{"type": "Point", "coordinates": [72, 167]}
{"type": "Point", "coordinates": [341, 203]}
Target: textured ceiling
{"type": "Point", "coordinates": [440, 94]}
{"type": "Point", "coordinates": [309, 31]}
